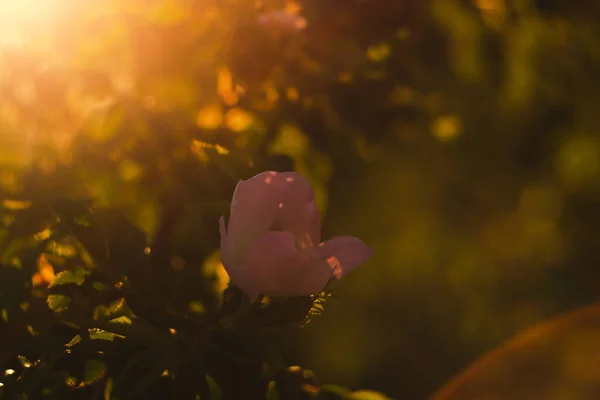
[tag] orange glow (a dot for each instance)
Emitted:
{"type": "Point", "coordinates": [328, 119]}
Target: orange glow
{"type": "Point", "coordinates": [19, 19]}
{"type": "Point", "coordinates": [45, 274]}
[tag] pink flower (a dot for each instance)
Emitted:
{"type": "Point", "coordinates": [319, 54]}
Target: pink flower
{"type": "Point", "coordinates": [272, 244]}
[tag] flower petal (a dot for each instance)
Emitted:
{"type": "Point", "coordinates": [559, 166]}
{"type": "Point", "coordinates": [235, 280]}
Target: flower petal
{"type": "Point", "coordinates": [301, 219]}
{"type": "Point", "coordinates": [260, 200]}
{"type": "Point", "coordinates": [314, 223]}
{"type": "Point", "coordinates": [344, 253]}
{"type": "Point", "coordinates": [253, 209]}
{"type": "Point", "coordinates": [297, 211]}
{"type": "Point", "coordinates": [298, 187]}
{"type": "Point", "coordinates": [273, 266]}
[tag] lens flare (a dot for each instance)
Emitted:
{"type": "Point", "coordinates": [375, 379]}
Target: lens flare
{"type": "Point", "coordinates": [23, 18]}
{"type": "Point", "coordinates": [26, 10]}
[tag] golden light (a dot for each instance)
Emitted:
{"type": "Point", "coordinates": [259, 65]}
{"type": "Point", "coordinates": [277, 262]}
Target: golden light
{"type": "Point", "coordinates": [19, 19]}
{"type": "Point", "coordinates": [446, 127]}
{"type": "Point", "coordinates": [25, 9]}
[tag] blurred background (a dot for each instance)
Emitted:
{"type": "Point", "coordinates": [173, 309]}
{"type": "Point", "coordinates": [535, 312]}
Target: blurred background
{"type": "Point", "coordinates": [458, 138]}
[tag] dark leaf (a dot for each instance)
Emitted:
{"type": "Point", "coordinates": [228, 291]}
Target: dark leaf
{"type": "Point", "coordinates": [333, 392]}
{"type": "Point", "coordinates": [14, 287]}
{"type": "Point", "coordinates": [93, 371]}
{"type": "Point", "coordinates": [77, 218]}
{"type": "Point", "coordinates": [213, 388]}
{"type": "Point", "coordinates": [141, 373]}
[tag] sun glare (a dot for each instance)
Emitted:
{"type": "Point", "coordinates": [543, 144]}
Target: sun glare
{"type": "Point", "coordinates": [26, 10]}
{"type": "Point", "coordinates": [22, 18]}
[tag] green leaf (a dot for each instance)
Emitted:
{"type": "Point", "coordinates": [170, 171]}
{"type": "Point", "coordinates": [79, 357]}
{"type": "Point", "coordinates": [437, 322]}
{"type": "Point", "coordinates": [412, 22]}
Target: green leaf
{"type": "Point", "coordinates": [92, 371]}
{"type": "Point", "coordinates": [141, 372]}
{"type": "Point", "coordinates": [116, 309]}
{"type": "Point", "coordinates": [77, 218]}
{"type": "Point", "coordinates": [213, 388]}
{"type": "Point", "coordinates": [137, 330]}
{"type": "Point", "coordinates": [100, 334]}
{"type": "Point", "coordinates": [108, 390]}
{"type": "Point", "coordinates": [367, 395]}
{"type": "Point", "coordinates": [76, 276]}
{"type": "Point", "coordinates": [333, 392]}
{"type": "Point", "coordinates": [123, 320]}
{"type": "Point", "coordinates": [58, 302]}
{"type": "Point", "coordinates": [27, 222]}
{"type": "Point", "coordinates": [24, 361]}
{"type": "Point", "coordinates": [42, 381]}
{"type": "Point", "coordinates": [272, 392]}
{"type": "Point", "coordinates": [76, 339]}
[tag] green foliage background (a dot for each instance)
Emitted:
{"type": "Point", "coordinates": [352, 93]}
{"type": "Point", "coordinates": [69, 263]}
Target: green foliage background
{"type": "Point", "coordinates": [458, 138]}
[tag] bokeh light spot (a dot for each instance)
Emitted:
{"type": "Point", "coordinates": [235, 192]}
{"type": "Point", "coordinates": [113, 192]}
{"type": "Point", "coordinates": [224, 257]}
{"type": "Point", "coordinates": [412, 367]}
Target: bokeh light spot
{"type": "Point", "coordinates": [446, 128]}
